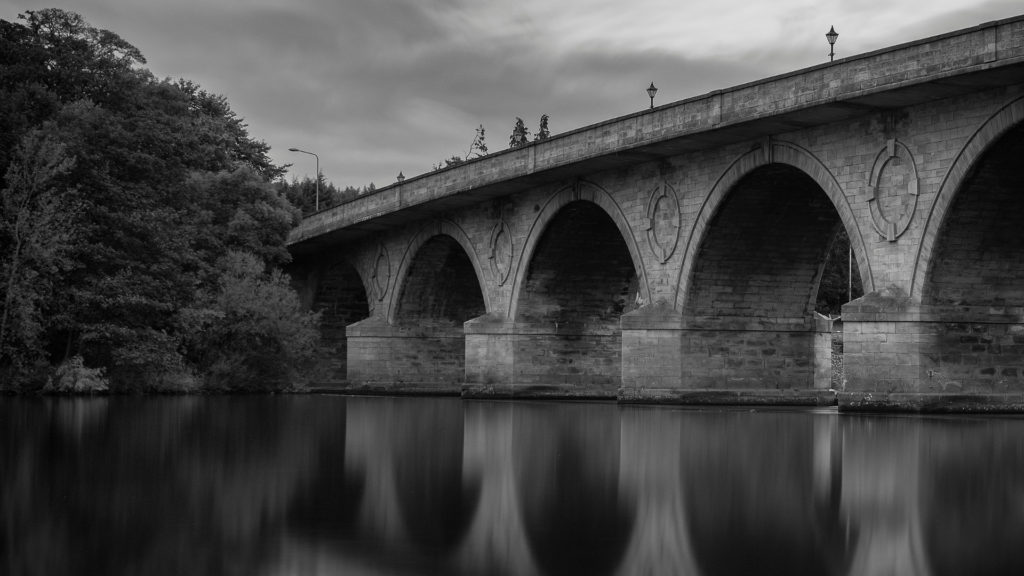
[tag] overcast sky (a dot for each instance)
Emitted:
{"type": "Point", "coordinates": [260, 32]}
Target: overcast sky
{"type": "Point", "coordinates": [381, 86]}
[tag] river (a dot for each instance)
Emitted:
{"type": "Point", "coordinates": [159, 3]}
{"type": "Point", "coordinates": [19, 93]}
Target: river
{"type": "Point", "coordinates": [321, 484]}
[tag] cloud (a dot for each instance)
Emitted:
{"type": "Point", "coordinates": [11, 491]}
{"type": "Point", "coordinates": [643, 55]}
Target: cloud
{"type": "Point", "coordinates": [378, 86]}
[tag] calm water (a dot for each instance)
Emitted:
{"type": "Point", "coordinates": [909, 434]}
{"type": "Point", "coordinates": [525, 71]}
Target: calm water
{"type": "Point", "coordinates": [333, 485]}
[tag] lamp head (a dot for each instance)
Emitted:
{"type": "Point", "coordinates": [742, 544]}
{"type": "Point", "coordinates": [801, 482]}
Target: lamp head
{"type": "Point", "coordinates": [832, 35]}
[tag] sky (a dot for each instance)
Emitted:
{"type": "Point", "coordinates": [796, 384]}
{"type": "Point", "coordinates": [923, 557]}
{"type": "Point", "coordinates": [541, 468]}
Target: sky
{"type": "Point", "coordinates": [378, 87]}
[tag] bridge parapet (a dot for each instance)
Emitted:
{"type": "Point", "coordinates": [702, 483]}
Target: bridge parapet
{"type": "Point", "coordinates": [923, 70]}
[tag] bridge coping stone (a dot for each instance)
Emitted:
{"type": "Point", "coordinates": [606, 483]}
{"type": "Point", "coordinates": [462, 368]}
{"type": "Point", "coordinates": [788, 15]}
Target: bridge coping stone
{"type": "Point", "coordinates": [954, 53]}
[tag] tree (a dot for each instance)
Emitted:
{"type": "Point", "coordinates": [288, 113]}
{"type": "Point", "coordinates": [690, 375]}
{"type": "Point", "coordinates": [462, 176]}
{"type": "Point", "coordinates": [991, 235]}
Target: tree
{"type": "Point", "coordinates": [34, 226]}
{"type": "Point", "coordinates": [477, 149]}
{"type": "Point", "coordinates": [478, 146]}
{"type": "Point", "coordinates": [542, 131]}
{"type": "Point", "coordinates": [251, 330]}
{"type": "Point", "coordinates": [520, 135]}
{"type": "Point", "coordinates": [834, 289]}
{"type": "Point", "coordinates": [165, 183]}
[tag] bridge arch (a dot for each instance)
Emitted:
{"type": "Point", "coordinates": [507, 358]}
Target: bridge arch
{"type": "Point", "coordinates": [581, 190]}
{"type": "Point", "coordinates": [778, 153]}
{"type": "Point", "coordinates": [443, 290]}
{"type": "Point", "coordinates": [578, 273]}
{"type": "Point", "coordinates": [987, 156]}
{"type": "Point", "coordinates": [342, 298]}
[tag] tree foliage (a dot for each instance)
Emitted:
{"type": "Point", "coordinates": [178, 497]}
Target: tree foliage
{"type": "Point", "coordinates": [303, 193]}
{"type": "Point", "coordinates": [253, 331]}
{"type": "Point", "coordinates": [477, 149]}
{"type": "Point", "coordinates": [107, 236]}
{"type": "Point", "coordinates": [520, 134]}
{"type": "Point", "coordinates": [835, 288]}
{"type": "Point", "coordinates": [543, 133]}
{"type": "Point", "coordinates": [35, 231]}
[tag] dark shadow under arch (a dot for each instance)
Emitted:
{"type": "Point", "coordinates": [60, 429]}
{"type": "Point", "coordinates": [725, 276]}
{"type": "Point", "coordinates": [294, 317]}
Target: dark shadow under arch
{"type": "Point", "coordinates": [579, 191]}
{"type": "Point", "coordinates": [440, 285]}
{"type": "Point", "coordinates": [977, 258]}
{"type": "Point", "coordinates": [580, 280]}
{"type": "Point", "coordinates": [763, 252]}
{"type": "Point", "coordinates": [780, 153]}
{"type": "Point", "coordinates": [341, 300]}
{"type": "Point", "coordinates": [957, 178]}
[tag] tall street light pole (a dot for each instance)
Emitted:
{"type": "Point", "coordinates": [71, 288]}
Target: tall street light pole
{"type": "Point", "coordinates": [317, 206]}
{"type": "Point", "coordinates": [651, 91]}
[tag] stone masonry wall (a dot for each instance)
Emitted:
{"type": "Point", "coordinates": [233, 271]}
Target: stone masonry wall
{"type": "Point", "coordinates": [877, 175]}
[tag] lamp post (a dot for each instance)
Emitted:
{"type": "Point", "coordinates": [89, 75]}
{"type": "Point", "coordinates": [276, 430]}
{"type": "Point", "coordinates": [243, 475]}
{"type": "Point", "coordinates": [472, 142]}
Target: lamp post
{"type": "Point", "coordinates": [831, 37]}
{"type": "Point", "coordinates": [317, 205]}
{"type": "Point", "coordinates": [651, 91]}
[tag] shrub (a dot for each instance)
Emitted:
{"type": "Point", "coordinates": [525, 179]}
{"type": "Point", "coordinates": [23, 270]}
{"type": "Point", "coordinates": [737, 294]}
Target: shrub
{"type": "Point", "coordinates": [75, 377]}
{"type": "Point", "coordinates": [253, 332]}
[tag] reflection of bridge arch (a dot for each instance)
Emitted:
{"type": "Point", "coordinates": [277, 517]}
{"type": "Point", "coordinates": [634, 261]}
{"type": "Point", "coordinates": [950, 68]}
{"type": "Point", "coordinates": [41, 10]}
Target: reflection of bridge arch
{"type": "Point", "coordinates": [971, 498]}
{"type": "Point", "coordinates": [436, 498]}
{"type": "Point", "coordinates": [496, 541]}
{"type": "Point", "coordinates": [650, 476]}
{"type": "Point", "coordinates": [754, 503]}
{"type": "Point", "coordinates": [567, 474]}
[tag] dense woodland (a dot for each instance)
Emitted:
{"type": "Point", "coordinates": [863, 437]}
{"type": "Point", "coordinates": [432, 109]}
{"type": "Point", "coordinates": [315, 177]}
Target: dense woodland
{"type": "Point", "coordinates": [141, 229]}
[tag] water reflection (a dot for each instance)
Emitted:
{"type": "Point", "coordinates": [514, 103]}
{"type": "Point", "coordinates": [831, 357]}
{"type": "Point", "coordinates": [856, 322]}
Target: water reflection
{"type": "Point", "coordinates": [972, 497]}
{"type": "Point", "coordinates": [325, 485]}
{"type": "Point", "coordinates": [762, 496]}
{"type": "Point", "coordinates": [567, 475]}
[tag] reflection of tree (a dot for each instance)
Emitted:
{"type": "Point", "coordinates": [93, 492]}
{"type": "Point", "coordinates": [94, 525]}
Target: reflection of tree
{"type": "Point", "coordinates": [154, 486]}
{"type": "Point", "coordinates": [752, 503]}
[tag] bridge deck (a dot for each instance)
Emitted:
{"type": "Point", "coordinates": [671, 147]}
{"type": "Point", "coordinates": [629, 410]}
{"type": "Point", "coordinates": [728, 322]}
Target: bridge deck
{"type": "Point", "coordinates": [951, 64]}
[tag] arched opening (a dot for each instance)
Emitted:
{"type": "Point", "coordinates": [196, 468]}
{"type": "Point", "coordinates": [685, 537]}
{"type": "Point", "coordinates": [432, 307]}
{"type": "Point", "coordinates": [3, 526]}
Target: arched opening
{"type": "Point", "coordinates": [441, 286]}
{"type": "Point", "coordinates": [974, 285]}
{"type": "Point", "coordinates": [765, 247]}
{"type": "Point", "coordinates": [341, 300]}
{"type": "Point", "coordinates": [440, 292]}
{"type": "Point", "coordinates": [580, 281]}
{"type": "Point", "coordinates": [979, 259]}
{"type": "Point", "coordinates": [755, 281]}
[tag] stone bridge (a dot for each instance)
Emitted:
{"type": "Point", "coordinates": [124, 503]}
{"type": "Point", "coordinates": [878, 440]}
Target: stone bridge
{"type": "Point", "coordinates": [675, 254]}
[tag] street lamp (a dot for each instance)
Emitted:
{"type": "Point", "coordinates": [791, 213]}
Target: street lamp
{"type": "Point", "coordinates": [651, 91]}
{"type": "Point", "coordinates": [317, 206]}
{"type": "Point", "coordinates": [831, 37]}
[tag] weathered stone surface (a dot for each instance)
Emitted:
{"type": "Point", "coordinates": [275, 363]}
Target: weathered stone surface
{"type": "Point", "coordinates": [674, 254]}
